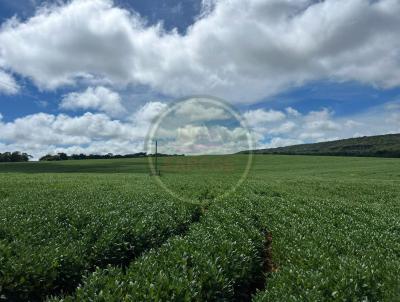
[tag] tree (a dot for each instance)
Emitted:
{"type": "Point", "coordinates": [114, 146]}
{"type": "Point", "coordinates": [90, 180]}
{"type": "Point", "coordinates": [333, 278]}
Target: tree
{"type": "Point", "coordinates": [15, 156]}
{"type": "Point", "coordinates": [62, 156]}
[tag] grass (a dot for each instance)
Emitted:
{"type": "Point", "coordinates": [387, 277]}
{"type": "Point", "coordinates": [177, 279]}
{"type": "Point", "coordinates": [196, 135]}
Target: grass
{"type": "Point", "coordinates": [334, 222]}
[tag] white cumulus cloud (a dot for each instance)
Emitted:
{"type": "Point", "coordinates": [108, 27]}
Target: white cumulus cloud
{"type": "Point", "coordinates": [242, 50]}
{"type": "Point", "coordinates": [194, 110]}
{"type": "Point", "coordinates": [8, 85]}
{"type": "Point", "coordinates": [148, 112]}
{"type": "Point", "coordinates": [98, 98]}
{"type": "Point", "coordinates": [41, 133]}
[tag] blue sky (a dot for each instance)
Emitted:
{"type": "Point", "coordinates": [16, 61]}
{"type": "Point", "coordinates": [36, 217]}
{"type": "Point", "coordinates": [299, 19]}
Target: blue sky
{"type": "Point", "coordinates": [300, 71]}
{"type": "Point", "coordinates": [173, 13]}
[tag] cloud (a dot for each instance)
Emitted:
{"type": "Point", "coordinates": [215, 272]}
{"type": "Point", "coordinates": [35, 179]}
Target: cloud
{"type": "Point", "coordinates": [98, 98]}
{"type": "Point", "coordinates": [293, 112]}
{"type": "Point", "coordinates": [294, 126]}
{"type": "Point", "coordinates": [281, 142]}
{"type": "Point", "coordinates": [286, 127]}
{"type": "Point", "coordinates": [269, 46]}
{"type": "Point", "coordinates": [395, 105]}
{"type": "Point", "coordinates": [147, 113]}
{"type": "Point", "coordinates": [320, 121]}
{"type": "Point", "coordinates": [324, 125]}
{"type": "Point", "coordinates": [207, 139]}
{"type": "Point", "coordinates": [196, 110]}
{"type": "Point", "coordinates": [8, 85]}
{"type": "Point", "coordinates": [200, 126]}
{"type": "Point", "coordinates": [61, 129]}
{"type": "Point", "coordinates": [261, 116]}
{"type": "Point", "coordinates": [42, 133]}
{"type": "Point", "coordinates": [207, 6]}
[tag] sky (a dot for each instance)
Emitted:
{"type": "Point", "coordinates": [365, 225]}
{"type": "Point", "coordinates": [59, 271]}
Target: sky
{"type": "Point", "coordinates": [91, 76]}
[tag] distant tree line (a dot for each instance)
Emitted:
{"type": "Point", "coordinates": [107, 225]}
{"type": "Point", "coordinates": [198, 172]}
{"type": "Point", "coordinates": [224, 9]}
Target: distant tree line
{"type": "Point", "coordinates": [64, 156]}
{"type": "Point", "coordinates": [387, 145]}
{"type": "Point", "coordinates": [380, 153]}
{"type": "Point", "coordinates": [14, 157]}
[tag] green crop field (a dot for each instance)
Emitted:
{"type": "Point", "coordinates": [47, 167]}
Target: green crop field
{"type": "Point", "coordinates": [299, 228]}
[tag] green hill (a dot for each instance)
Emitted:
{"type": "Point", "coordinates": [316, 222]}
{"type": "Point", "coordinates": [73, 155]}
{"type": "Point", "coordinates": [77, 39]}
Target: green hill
{"type": "Point", "coordinates": [373, 146]}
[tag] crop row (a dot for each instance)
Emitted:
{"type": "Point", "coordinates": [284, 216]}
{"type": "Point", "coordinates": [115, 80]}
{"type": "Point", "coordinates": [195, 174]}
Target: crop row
{"type": "Point", "coordinates": [333, 240]}
{"type": "Point", "coordinates": [221, 258]}
{"type": "Point", "coordinates": [53, 234]}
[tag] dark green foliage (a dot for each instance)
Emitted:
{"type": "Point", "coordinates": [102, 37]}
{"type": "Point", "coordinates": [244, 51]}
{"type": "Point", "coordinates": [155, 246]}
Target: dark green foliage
{"type": "Point", "coordinates": [52, 233]}
{"type": "Point", "coordinates": [14, 157]}
{"type": "Point", "coordinates": [334, 241]}
{"type": "Point", "coordinates": [220, 259]}
{"type": "Point", "coordinates": [63, 156]}
{"type": "Point", "coordinates": [370, 146]}
{"type": "Point", "coordinates": [334, 223]}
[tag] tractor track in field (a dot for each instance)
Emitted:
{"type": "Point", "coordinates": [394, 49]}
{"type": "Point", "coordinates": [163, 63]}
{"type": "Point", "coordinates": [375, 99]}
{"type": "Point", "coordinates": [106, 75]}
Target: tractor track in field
{"type": "Point", "coordinates": [197, 215]}
{"type": "Point", "coordinates": [125, 263]}
{"type": "Point", "coordinates": [260, 280]}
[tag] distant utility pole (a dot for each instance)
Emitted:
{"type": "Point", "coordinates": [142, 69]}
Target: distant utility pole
{"type": "Point", "coordinates": [156, 170]}
{"type": "Point", "coordinates": [156, 159]}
